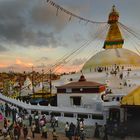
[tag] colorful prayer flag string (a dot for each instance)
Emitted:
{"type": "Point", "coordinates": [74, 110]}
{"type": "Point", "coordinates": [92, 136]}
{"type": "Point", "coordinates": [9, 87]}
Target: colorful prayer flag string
{"type": "Point", "coordinates": [58, 7]}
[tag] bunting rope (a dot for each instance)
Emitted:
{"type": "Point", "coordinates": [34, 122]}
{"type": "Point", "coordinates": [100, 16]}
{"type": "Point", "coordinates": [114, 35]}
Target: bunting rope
{"type": "Point", "coordinates": [137, 50]}
{"type": "Point", "coordinates": [60, 8]}
{"type": "Point", "coordinates": [77, 51]}
{"type": "Point", "coordinates": [131, 39]}
{"type": "Point", "coordinates": [130, 31]}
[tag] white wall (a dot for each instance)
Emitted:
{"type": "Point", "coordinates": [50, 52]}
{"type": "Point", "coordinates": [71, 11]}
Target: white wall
{"type": "Point", "coordinates": [89, 122]}
{"type": "Point", "coordinates": [87, 99]}
{"type": "Point", "coordinates": [63, 100]}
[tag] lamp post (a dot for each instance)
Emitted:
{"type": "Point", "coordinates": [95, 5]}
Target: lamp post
{"type": "Point", "coordinates": [42, 80]}
{"type": "Point", "coordinates": [32, 80]}
{"type": "Point", "coordinates": [50, 82]}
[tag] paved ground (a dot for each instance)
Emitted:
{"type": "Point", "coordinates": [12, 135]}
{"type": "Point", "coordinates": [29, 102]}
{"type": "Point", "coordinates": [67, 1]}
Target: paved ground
{"type": "Point", "coordinates": [39, 137]}
{"type": "Point", "coordinates": [60, 137]}
{"type": "Point", "coordinates": [59, 130]}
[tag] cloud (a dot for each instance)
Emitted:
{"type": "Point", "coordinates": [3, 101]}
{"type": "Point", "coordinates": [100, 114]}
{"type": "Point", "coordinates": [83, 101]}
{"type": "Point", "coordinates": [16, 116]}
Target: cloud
{"type": "Point", "coordinates": [41, 66]}
{"type": "Point", "coordinates": [19, 65]}
{"type": "Point", "coordinates": [79, 61]}
{"type": "Point", "coordinates": [23, 63]}
{"type": "Point", "coordinates": [33, 23]}
{"type": "Point", "coordinates": [46, 15]}
{"type": "Point", "coordinates": [78, 37]}
{"type": "Point", "coordinates": [25, 23]}
{"type": "Point", "coordinates": [98, 33]}
{"type": "Point", "coordinates": [43, 59]}
{"type": "Point", "coordinates": [3, 49]}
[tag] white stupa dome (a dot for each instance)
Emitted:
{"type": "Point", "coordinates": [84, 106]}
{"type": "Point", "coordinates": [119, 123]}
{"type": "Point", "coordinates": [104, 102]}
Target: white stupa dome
{"type": "Point", "coordinates": [109, 57]}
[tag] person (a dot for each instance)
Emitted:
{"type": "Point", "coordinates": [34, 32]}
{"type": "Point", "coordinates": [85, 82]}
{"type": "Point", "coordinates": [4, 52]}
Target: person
{"type": "Point", "coordinates": [36, 118]}
{"type": "Point", "coordinates": [71, 130]}
{"type": "Point", "coordinates": [70, 133]}
{"type": "Point", "coordinates": [33, 127]}
{"type": "Point", "coordinates": [52, 121]}
{"type": "Point", "coordinates": [1, 135]}
{"type": "Point", "coordinates": [20, 121]}
{"type": "Point", "coordinates": [78, 127]}
{"type": "Point", "coordinates": [81, 125]}
{"type": "Point", "coordinates": [5, 130]}
{"type": "Point", "coordinates": [5, 121]}
{"type": "Point", "coordinates": [54, 134]}
{"type": "Point", "coordinates": [82, 134]}
{"type": "Point", "coordinates": [56, 121]}
{"type": "Point", "coordinates": [14, 115]}
{"type": "Point", "coordinates": [17, 131]}
{"type": "Point", "coordinates": [1, 117]}
{"type": "Point", "coordinates": [44, 131]}
{"type": "Point", "coordinates": [96, 133]}
{"type": "Point", "coordinates": [121, 76]}
{"type": "Point", "coordinates": [6, 110]}
{"type": "Point", "coordinates": [125, 83]}
{"type": "Point", "coordinates": [41, 123]}
{"type": "Point", "coordinates": [105, 133]}
{"type": "Point", "coordinates": [2, 108]}
{"type": "Point", "coordinates": [11, 131]}
{"type": "Point", "coordinates": [25, 131]}
{"type": "Point", "coordinates": [66, 129]}
{"type": "Point", "coordinates": [30, 120]}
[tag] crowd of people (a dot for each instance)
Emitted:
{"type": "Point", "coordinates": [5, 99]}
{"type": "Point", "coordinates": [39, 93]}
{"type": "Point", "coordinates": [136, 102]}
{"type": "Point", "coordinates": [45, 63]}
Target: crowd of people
{"type": "Point", "coordinates": [75, 132]}
{"type": "Point", "coordinates": [14, 125]}
{"type": "Point", "coordinates": [37, 124]}
{"type": "Point", "coordinates": [100, 132]}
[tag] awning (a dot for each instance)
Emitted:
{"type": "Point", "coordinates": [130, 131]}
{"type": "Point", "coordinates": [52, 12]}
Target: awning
{"type": "Point", "coordinates": [133, 98]}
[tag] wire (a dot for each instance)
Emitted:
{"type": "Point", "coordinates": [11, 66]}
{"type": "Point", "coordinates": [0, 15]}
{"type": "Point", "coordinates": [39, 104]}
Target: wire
{"type": "Point", "coordinates": [100, 32]}
{"type": "Point", "coordinates": [58, 7]}
{"type": "Point", "coordinates": [132, 40]}
{"type": "Point", "coordinates": [130, 31]}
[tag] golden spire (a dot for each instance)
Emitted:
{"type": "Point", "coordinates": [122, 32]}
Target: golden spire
{"type": "Point", "coordinates": [114, 38]}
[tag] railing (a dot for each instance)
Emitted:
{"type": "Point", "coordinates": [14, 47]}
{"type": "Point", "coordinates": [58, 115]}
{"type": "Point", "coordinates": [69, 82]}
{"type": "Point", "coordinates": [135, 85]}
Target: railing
{"type": "Point", "coordinates": [38, 107]}
{"type": "Point", "coordinates": [88, 113]}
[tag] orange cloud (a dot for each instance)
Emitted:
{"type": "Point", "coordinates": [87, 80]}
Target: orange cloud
{"type": "Point", "coordinates": [3, 65]}
{"type": "Point", "coordinates": [18, 61]}
{"type": "Point", "coordinates": [24, 64]}
{"type": "Point", "coordinates": [68, 69]}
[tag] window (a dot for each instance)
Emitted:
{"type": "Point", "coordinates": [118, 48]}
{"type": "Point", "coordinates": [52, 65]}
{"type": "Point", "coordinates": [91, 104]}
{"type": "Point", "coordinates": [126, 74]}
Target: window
{"type": "Point", "coordinates": [44, 112]}
{"type": "Point", "coordinates": [97, 117]}
{"type": "Point", "coordinates": [118, 99]}
{"type": "Point", "coordinates": [76, 100]}
{"type": "Point", "coordinates": [84, 116]}
{"type": "Point", "coordinates": [56, 114]}
{"type": "Point", "coordinates": [68, 115]}
{"type": "Point", "coordinates": [68, 90]}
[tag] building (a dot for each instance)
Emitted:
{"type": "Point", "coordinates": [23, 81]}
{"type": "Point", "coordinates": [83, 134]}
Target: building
{"type": "Point", "coordinates": [81, 93]}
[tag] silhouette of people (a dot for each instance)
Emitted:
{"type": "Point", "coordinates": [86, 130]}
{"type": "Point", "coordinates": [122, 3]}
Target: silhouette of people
{"type": "Point", "coordinates": [96, 133]}
{"type": "Point", "coordinates": [30, 120]}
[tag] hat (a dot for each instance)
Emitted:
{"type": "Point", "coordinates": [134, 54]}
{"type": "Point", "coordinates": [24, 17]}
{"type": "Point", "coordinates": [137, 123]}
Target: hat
{"type": "Point", "coordinates": [28, 138]}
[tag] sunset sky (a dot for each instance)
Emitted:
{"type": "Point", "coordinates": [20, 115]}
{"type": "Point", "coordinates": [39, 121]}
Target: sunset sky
{"type": "Point", "coordinates": [32, 35]}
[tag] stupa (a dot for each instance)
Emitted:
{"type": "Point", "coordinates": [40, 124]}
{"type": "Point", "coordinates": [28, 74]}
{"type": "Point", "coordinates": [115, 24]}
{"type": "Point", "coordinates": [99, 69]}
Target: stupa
{"type": "Point", "coordinates": [113, 53]}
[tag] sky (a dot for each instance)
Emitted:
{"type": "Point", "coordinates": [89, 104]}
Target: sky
{"type": "Point", "coordinates": [32, 35]}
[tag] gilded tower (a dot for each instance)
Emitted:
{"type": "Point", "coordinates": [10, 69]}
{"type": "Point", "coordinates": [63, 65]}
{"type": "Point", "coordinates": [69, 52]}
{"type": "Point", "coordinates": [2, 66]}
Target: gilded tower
{"type": "Point", "coordinates": [114, 38]}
